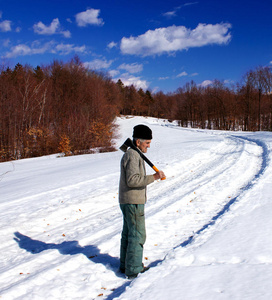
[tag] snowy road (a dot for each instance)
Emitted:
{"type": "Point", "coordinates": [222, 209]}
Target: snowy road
{"type": "Point", "coordinates": [61, 223]}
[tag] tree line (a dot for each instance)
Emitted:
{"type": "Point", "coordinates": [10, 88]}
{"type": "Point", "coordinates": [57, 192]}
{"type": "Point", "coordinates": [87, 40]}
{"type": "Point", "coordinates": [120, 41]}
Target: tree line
{"type": "Point", "coordinates": [245, 106]}
{"type": "Point", "coordinates": [67, 108]}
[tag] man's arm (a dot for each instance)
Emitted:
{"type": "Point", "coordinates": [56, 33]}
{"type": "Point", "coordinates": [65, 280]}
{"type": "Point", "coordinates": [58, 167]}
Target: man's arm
{"type": "Point", "coordinates": [135, 176]}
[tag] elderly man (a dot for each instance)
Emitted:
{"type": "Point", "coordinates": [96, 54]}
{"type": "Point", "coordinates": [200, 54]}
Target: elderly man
{"type": "Point", "coordinates": [132, 199]}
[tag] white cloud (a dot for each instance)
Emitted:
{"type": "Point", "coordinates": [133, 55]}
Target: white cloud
{"type": "Point", "coordinates": [170, 14]}
{"type": "Point", "coordinates": [112, 45]}
{"type": "Point", "coordinates": [175, 38]}
{"type": "Point", "coordinates": [40, 28]}
{"type": "Point", "coordinates": [128, 80]}
{"type": "Point", "coordinates": [50, 47]}
{"type": "Point", "coordinates": [173, 13]}
{"type": "Point", "coordinates": [5, 26]}
{"type": "Point", "coordinates": [89, 17]}
{"type": "Point", "coordinates": [98, 64]}
{"type": "Point", "coordinates": [182, 74]}
{"type": "Point", "coordinates": [22, 50]}
{"type": "Point", "coordinates": [66, 33]}
{"type": "Point", "coordinates": [65, 49]}
{"type": "Point", "coordinates": [205, 83]}
{"type": "Point", "coordinates": [190, 3]}
{"type": "Point", "coordinates": [53, 28]}
{"type": "Point", "coordinates": [113, 73]}
{"type": "Point", "coordinates": [164, 78]}
{"type": "Point", "coordinates": [131, 68]}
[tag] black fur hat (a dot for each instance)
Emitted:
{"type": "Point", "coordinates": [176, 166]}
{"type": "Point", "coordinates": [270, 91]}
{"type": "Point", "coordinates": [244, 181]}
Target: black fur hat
{"type": "Point", "coordinates": [142, 132]}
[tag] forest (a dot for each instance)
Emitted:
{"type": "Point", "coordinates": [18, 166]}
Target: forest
{"type": "Point", "coordinates": [67, 108]}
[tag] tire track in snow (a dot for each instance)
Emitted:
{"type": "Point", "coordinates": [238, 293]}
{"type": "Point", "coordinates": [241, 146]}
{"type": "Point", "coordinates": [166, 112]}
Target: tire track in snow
{"type": "Point", "coordinates": [198, 174]}
{"type": "Point", "coordinates": [59, 199]}
{"type": "Point", "coordinates": [186, 189]}
{"type": "Point", "coordinates": [245, 188]}
{"type": "Point", "coordinates": [257, 162]}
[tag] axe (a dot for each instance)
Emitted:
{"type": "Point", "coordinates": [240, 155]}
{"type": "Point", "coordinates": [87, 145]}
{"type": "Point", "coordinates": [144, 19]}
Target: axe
{"type": "Point", "coordinates": [128, 143]}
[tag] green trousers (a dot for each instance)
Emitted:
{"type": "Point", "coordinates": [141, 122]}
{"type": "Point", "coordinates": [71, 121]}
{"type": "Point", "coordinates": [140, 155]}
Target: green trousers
{"type": "Point", "coordinates": [133, 238]}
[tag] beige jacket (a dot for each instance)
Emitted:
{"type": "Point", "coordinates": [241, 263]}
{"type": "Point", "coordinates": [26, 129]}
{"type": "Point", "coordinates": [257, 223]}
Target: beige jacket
{"type": "Point", "coordinates": [133, 179]}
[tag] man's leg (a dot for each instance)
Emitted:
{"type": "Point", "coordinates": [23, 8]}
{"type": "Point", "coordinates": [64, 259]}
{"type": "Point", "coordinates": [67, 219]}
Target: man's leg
{"type": "Point", "coordinates": [136, 236]}
{"type": "Point", "coordinates": [124, 241]}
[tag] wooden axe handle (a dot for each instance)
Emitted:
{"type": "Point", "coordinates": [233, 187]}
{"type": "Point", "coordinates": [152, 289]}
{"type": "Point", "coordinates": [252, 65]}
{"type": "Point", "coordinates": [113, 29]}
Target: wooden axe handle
{"type": "Point", "coordinates": [157, 170]}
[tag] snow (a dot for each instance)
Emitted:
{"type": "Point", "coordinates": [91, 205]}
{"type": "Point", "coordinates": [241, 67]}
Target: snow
{"type": "Point", "coordinates": [208, 224]}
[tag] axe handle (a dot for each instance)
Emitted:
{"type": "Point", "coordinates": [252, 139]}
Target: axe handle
{"type": "Point", "coordinates": [145, 159]}
{"type": "Point", "coordinates": [157, 170]}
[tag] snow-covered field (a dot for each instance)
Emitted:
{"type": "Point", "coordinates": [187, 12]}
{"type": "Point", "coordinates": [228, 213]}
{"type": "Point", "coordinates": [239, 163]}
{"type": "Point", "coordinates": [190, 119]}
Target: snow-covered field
{"type": "Point", "coordinates": [208, 224]}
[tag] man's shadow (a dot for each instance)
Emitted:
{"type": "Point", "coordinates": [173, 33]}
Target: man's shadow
{"type": "Point", "coordinates": [68, 248]}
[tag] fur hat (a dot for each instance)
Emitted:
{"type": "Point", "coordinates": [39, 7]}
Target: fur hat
{"type": "Point", "coordinates": [142, 132]}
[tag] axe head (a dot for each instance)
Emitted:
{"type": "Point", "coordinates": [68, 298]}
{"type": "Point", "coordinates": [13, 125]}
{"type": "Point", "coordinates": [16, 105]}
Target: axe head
{"type": "Point", "coordinates": [128, 143]}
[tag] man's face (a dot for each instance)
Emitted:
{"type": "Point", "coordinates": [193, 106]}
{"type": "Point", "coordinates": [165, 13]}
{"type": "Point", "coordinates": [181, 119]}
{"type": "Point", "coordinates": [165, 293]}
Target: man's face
{"type": "Point", "coordinates": [143, 146]}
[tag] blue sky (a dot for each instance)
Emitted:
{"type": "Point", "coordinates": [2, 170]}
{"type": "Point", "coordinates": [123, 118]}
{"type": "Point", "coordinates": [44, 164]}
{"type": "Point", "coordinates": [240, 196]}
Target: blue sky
{"type": "Point", "coordinates": [155, 45]}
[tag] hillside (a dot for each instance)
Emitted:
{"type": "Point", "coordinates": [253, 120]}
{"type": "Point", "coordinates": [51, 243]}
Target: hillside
{"type": "Point", "coordinates": [208, 224]}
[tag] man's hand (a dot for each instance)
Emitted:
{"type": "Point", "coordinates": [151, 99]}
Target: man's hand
{"type": "Point", "coordinates": [159, 175]}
